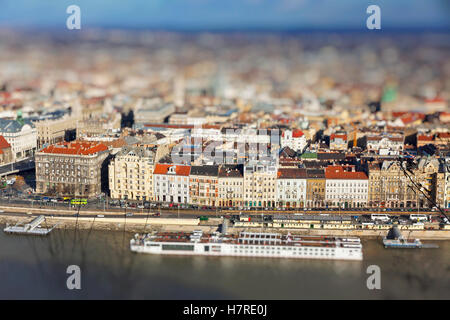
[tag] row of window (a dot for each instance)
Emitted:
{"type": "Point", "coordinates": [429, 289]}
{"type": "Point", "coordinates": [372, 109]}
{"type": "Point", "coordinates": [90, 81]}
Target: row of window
{"type": "Point", "coordinates": [65, 159]}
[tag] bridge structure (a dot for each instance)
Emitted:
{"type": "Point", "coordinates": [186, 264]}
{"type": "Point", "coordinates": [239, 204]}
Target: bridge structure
{"type": "Point", "coordinates": [16, 167]}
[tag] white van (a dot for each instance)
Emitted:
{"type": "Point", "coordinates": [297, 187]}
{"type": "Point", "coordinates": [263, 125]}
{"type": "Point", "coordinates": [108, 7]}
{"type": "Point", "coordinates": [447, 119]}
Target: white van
{"type": "Point", "coordinates": [380, 217]}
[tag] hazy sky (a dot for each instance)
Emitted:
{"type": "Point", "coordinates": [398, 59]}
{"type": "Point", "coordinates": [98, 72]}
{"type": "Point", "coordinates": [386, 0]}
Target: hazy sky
{"type": "Point", "coordinates": [226, 14]}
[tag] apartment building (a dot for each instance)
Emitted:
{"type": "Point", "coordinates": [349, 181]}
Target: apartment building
{"type": "Point", "coordinates": [431, 176]}
{"type": "Point", "coordinates": [153, 110]}
{"type": "Point", "coordinates": [131, 174]}
{"type": "Point", "coordinates": [51, 131]}
{"type": "Point", "coordinates": [5, 151]}
{"type": "Point", "coordinates": [171, 183]}
{"type": "Point", "coordinates": [294, 139]}
{"type": "Point", "coordinates": [384, 144]}
{"type": "Point", "coordinates": [345, 187]}
{"type": "Point", "coordinates": [338, 141]}
{"type": "Point", "coordinates": [21, 134]}
{"type": "Point", "coordinates": [315, 188]}
{"type": "Point", "coordinates": [71, 168]}
{"type": "Point", "coordinates": [291, 188]}
{"type": "Point", "coordinates": [424, 139]}
{"type": "Point", "coordinates": [231, 186]}
{"type": "Point", "coordinates": [447, 183]}
{"type": "Point", "coordinates": [389, 187]}
{"type": "Point", "coordinates": [260, 185]}
{"type": "Point", "coordinates": [203, 185]}
{"type": "Point", "coordinates": [99, 125]}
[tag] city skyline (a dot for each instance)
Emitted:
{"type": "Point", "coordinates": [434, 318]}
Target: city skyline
{"type": "Point", "coordinates": [199, 149]}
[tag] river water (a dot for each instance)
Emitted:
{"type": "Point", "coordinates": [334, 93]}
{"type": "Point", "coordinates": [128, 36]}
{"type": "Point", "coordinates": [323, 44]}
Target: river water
{"type": "Point", "coordinates": [35, 268]}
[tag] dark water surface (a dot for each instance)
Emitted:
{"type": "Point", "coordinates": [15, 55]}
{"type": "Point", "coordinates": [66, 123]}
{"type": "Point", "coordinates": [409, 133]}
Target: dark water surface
{"type": "Point", "coordinates": [35, 268]}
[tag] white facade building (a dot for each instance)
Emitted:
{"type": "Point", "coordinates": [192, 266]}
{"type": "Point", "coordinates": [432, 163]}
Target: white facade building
{"type": "Point", "coordinates": [347, 189]}
{"type": "Point", "coordinates": [291, 188]}
{"type": "Point", "coordinates": [296, 140]}
{"type": "Point", "coordinates": [171, 183]}
{"type": "Point", "coordinates": [21, 135]}
{"type": "Point", "coordinates": [384, 144]}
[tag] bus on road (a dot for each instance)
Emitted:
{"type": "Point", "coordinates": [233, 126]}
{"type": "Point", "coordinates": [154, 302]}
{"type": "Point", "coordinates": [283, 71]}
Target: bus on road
{"type": "Point", "coordinates": [418, 217]}
{"type": "Point", "coordinates": [78, 201]}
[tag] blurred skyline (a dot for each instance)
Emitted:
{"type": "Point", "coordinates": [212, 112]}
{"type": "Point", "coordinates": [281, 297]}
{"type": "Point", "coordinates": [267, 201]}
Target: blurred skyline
{"type": "Point", "coordinates": [230, 14]}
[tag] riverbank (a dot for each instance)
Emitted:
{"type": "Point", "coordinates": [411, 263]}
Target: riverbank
{"type": "Point", "coordinates": [141, 224]}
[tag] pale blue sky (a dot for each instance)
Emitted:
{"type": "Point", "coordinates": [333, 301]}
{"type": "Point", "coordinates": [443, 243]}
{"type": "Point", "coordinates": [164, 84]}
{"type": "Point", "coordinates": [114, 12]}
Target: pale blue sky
{"type": "Point", "coordinates": [227, 14]}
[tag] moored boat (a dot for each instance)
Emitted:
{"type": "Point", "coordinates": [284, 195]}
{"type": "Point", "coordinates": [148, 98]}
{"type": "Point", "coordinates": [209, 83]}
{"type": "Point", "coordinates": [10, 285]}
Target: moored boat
{"type": "Point", "coordinates": [248, 244]}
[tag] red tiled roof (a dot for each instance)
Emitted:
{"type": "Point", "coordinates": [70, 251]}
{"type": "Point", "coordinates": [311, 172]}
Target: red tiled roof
{"type": "Point", "coordinates": [11, 101]}
{"type": "Point", "coordinates": [408, 117]}
{"type": "Point", "coordinates": [5, 95]}
{"type": "Point", "coordinates": [292, 173]}
{"type": "Point", "coordinates": [435, 100]}
{"type": "Point", "coordinates": [285, 120]}
{"type": "Point", "coordinates": [76, 148]}
{"type": "Point", "coordinates": [342, 136]}
{"type": "Point", "coordinates": [3, 143]}
{"type": "Point", "coordinates": [424, 137]}
{"type": "Point", "coordinates": [297, 133]}
{"type": "Point", "coordinates": [397, 114]}
{"type": "Point", "coordinates": [337, 172]}
{"type": "Point", "coordinates": [443, 135]}
{"type": "Point", "coordinates": [179, 170]}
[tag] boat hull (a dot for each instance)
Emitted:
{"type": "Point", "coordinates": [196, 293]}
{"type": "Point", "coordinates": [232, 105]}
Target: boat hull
{"type": "Point", "coordinates": [352, 254]}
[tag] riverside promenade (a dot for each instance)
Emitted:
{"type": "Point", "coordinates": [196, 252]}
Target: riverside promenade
{"type": "Point", "coordinates": [145, 222]}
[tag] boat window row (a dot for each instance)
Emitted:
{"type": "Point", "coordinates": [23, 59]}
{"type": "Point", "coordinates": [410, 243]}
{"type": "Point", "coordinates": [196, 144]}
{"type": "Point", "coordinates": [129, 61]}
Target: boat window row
{"type": "Point", "coordinates": [264, 249]}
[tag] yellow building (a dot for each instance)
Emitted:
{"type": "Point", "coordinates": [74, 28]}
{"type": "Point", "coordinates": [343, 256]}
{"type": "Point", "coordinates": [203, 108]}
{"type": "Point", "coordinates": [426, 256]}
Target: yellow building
{"type": "Point", "coordinates": [231, 186]}
{"type": "Point", "coordinates": [131, 174]}
{"type": "Point", "coordinates": [315, 188]}
{"type": "Point", "coordinates": [389, 187]}
{"type": "Point", "coordinates": [260, 185]}
{"type": "Point", "coordinates": [52, 131]}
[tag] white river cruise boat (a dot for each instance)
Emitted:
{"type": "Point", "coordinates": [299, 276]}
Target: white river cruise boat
{"type": "Point", "coordinates": [248, 244]}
